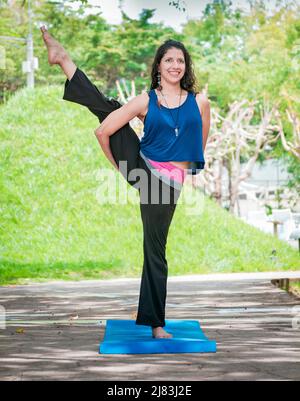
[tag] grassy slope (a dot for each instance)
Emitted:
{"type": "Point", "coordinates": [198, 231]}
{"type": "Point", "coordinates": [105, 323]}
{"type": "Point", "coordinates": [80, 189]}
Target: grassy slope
{"type": "Point", "coordinates": [52, 226]}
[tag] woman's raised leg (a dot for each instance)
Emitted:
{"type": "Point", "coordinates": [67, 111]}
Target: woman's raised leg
{"type": "Point", "coordinates": [125, 143]}
{"type": "Point", "coordinates": [58, 55]}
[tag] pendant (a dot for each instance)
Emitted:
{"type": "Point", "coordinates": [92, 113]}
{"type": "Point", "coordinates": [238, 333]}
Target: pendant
{"type": "Point", "coordinates": [176, 131]}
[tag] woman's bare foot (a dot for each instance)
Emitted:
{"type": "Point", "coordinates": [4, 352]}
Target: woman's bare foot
{"type": "Point", "coordinates": [56, 53]}
{"type": "Point", "coordinates": [159, 332]}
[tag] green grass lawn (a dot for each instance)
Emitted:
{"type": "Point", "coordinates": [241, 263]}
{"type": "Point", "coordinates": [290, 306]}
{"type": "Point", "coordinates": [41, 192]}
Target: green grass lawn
{"type": "Point", "coordinates": [296, 285]}
{"type": "Point", "coordinates": [52, 226]}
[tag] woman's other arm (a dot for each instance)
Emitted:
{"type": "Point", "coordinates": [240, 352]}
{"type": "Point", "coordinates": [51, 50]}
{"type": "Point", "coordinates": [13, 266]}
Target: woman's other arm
{"type": "Point", "coordinates": [204, 107]}
{"type": "Point", "coordinates": [116, 120]}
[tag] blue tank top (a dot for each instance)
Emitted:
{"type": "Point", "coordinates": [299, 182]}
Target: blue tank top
{"type": "Point", "coordinates": [159, 141]}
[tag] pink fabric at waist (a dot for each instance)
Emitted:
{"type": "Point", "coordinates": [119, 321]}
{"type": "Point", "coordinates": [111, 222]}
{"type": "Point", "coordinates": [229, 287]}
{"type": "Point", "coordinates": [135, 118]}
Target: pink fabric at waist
{"type": "Point", "coordinates": [170, 170]}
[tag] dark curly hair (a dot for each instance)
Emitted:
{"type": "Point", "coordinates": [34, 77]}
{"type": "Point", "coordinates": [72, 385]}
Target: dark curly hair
{"type": "Point", "coordinates": [188, 81]}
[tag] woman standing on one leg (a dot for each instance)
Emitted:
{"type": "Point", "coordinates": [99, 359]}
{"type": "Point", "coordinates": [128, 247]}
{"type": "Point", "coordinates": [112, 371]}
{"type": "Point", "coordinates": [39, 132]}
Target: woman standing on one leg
{"type": "Point", "coordinates": [175, 135]}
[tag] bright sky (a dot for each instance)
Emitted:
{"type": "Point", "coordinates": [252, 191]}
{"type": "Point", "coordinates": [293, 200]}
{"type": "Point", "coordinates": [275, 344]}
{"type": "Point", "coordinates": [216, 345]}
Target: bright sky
{"type": "Point", "coordinates": [169, 15]}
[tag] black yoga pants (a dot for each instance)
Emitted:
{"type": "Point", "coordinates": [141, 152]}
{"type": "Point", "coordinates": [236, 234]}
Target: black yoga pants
{"type": "Point", "coordinates": [156, 216]}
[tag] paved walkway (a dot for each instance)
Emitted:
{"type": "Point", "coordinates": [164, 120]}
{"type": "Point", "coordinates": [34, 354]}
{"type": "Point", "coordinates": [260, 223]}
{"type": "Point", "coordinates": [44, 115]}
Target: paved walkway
{"type": "Point", "coordinates": [53, 330]}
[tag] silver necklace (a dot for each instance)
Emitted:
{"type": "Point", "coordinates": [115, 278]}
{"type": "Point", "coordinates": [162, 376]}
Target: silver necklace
{"type": "Point", "coordinates": [176, 127]}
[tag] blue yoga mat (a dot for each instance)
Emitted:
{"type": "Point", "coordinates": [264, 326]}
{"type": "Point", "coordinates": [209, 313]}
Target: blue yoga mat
{"type": "Point", "coordinates": [126, 337]}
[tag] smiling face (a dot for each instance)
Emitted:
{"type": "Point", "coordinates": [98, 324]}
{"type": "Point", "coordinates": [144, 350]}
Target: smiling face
{"type": "Point", "coordinates": [172, 66]}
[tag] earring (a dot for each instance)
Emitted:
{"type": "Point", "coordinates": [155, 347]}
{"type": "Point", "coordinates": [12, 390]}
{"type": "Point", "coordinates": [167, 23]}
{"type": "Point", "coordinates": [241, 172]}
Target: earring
{"type": "Point", "coordinates": [159, 80]}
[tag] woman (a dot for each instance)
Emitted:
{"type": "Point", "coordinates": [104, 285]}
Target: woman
{"type": "Point", "coordinates": [176, 125]}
